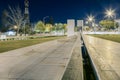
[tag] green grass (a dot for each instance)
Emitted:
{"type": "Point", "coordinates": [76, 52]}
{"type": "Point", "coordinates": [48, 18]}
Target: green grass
{"type": "Point", "coordinates": [111, 37]}
{"type": "Point", "coordinates": [15, 44]}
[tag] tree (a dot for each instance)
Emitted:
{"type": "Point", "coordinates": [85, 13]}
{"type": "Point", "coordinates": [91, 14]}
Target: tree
{"type": "Point", "coordinates": [40, 26]}
{"type": "Point", "coordinates": [51, 20]}
{"type": "Point", "coordinates": [48, 27]}
{"type": "Point", "coordinates": [108, 24]}
{"type": "Point", "coordinates": [4, 18]}
{"type": "Point", "coordinates": [86, 28]}
{"type": "Point", "coordinates": [65, 27]}
{"type": "Point", "coordinates": [5, 24]}
{"type": "Point", "coordinates": [59, 26]}
{"type": "Point", "coordinates": [15, 17]}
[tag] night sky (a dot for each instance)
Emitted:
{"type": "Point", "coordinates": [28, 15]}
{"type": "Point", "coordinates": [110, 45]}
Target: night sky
{"type": "Point", "coordinates": [61, 10]}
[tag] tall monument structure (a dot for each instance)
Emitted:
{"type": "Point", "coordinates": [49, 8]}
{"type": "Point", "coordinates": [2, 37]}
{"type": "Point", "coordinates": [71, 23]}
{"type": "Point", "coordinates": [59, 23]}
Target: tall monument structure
{"type": "Point", "coordinates": [80, 25]}
{"type": "Point", "coordinates": [26, 14]}
{"type": "Point", "coordinates": [70, 27]}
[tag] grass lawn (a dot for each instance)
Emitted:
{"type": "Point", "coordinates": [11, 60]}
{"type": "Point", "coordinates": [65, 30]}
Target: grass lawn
{"type": "Point", "coordinates": [15, 44]}
{"type": "Point", "coordinates": [112, 37]}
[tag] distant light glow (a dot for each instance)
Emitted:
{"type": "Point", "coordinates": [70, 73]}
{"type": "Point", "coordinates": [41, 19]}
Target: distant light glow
{"type": "Point", "coordinates": [90, 18]}
{"type": "Point", "coordinates": [15, 27]}
{"type": "Point", "coordinates": [86, 22]}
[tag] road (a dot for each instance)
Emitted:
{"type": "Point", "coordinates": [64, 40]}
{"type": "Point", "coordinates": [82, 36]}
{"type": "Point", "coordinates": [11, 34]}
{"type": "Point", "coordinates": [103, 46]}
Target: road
{"type": "Point", "coordinates": [105, 56]}
{"type": "Point", "coordinates": [46, 61]}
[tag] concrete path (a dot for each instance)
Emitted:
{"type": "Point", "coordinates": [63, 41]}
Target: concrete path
{"type": "Point", "coordinates": [105, 56]}
{"type": "Point", "coordinates": [74, 69]}
{"type": "Point", "coordinates": [46, 61]}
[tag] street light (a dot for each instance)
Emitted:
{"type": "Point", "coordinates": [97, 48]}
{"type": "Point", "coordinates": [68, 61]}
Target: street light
{"type": "Point", "coordinates": [45, 18]}
{"type": "Point", "coordinates": [110, 13]}
{"type": "Point", "coordinates": [24, 23]}
{"type": "Point", "coordinates": [56, 28]}
{"type": "Point", "coordinates": [91, 19]}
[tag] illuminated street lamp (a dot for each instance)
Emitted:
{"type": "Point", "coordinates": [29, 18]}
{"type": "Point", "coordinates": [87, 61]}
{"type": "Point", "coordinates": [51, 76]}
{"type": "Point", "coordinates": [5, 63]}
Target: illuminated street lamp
{"type": "Point", "coordinates": [91, 20]}
{"type": "Point", "coordinates": [110, 13]}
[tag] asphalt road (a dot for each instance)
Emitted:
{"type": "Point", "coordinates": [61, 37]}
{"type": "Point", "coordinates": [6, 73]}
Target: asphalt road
{"type": "Point", "coordinates": [46, 61]}
{"type": "Point", "coordinates": [105, 56]}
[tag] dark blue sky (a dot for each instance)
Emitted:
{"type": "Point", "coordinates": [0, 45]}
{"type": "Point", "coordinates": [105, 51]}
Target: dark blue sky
{"type": "Point", "coordinates": [61, 10]}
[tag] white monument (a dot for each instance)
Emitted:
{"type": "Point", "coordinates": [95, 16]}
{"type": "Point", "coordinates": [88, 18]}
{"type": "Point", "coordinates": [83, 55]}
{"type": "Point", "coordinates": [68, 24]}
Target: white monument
{"type": "Point", "coordinates": [70, 27]}
{"type": "Point", "coordinates": [80, 24]}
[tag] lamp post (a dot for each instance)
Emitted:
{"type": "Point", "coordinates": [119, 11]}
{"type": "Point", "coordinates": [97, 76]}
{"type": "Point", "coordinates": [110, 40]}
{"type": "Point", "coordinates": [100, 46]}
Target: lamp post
{"type": "Point", "coordinates": [45, 18]}
{"type": "Point", "coordinates": [56, 28]}
{"type": "Point", "coordinates": [110, 14]}
{"type": "Point", "coordinates": [24, 22]}
{"type": "Point", "coordinates": [91, 20]}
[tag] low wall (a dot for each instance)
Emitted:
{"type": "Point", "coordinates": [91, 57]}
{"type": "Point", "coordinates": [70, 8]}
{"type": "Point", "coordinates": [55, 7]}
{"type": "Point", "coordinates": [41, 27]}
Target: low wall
{"type": "Point", "coordinates": [101, 32]}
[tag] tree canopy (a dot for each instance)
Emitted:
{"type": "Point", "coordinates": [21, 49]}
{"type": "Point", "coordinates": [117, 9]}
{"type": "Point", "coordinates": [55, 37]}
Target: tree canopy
{"type": "Point", "coordinates": [108, 24]}
{"type": "Point", "coordinates": [40, 26]}
{"type": "Point", "coordinates": [15, 17]}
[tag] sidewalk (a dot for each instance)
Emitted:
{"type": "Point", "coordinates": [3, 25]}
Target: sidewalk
{"type": "Point", "coordinates": [105, 56]}
{"type": "Point", "coordinates": [74, 69]}
{"type": "Point", "coordinates": [46, 61]}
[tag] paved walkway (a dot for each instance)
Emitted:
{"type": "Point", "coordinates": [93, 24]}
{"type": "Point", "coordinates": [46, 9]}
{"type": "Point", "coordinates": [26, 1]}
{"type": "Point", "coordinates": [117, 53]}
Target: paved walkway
{"type": "Point", "coordinates": [74, 69]}
{"type": "Point", "coordinates": [46, 61]}
{"type": "Point", "coordinates": [105, 55]}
